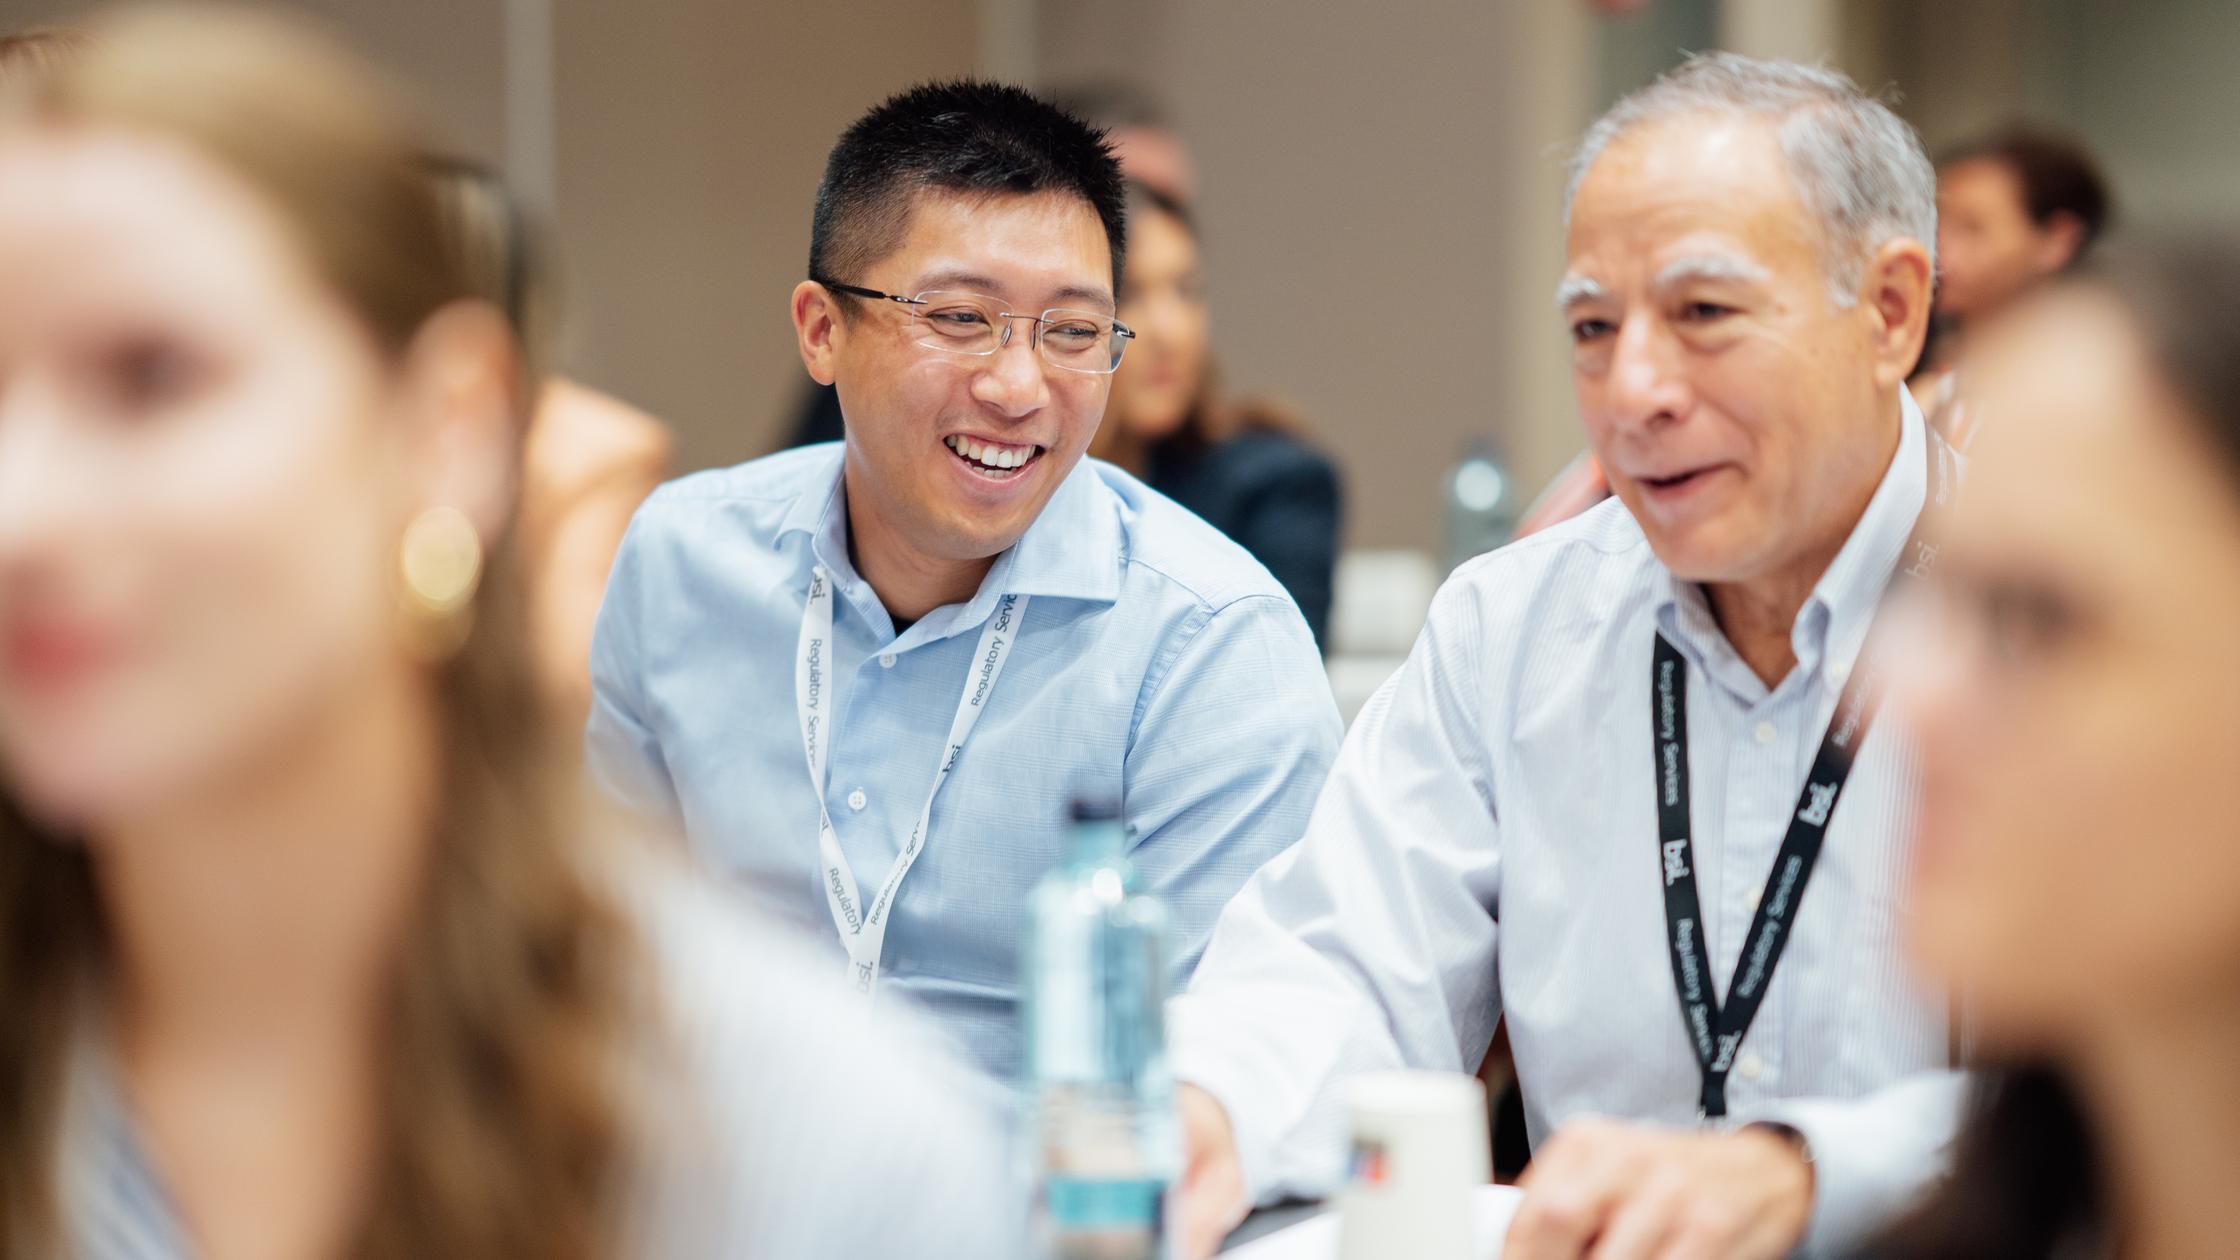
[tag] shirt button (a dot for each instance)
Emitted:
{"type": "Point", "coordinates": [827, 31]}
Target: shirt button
{"type": "Point", "coordinates": [1749, 1067]}
{"type": "Point", "coordinates": [1764, 733]}
{"type": "Point", "coordinates": [886, 660]}
{"type": "Point", "coordinates": [857, 800]}
{"type": "Point", "coordinates": [1750, 898]}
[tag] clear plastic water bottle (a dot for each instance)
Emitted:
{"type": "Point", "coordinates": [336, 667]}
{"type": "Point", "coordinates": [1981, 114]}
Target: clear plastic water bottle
{"type": "Point", "coordinates": [1100, 1120]}
{"type": "Point", "coordinates": [1482, 505]}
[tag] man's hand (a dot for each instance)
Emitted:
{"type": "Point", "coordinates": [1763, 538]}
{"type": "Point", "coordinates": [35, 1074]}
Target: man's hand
{"type": "Point", "coordinates": [1608, 1191]}
{"type": "Point", "coordinates": [1212, 1196]}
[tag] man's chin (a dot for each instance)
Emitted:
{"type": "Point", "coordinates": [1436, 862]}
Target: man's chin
{"type": "Point", "coordinates": [1708, 555]}
{"type": "Point", "coordinates": [967, 541]}
{"type": "Point", "coordinates": [972, 531]}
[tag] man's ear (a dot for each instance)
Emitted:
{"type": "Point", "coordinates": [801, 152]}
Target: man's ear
{"type": "Point", "coordinates": [1895, 294]}
{"type": "Point", "coordinates": [819, 328]}
{"type": "Point", "coordinates": [2058, 241]}
{"type": "Point", "coordinates": [463, 388]}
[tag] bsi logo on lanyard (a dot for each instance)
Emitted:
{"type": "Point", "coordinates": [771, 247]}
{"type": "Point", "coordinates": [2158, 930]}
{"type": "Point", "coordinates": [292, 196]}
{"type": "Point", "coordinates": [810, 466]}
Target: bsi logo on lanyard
{"type": "Point", "coordinates": [863, 932]}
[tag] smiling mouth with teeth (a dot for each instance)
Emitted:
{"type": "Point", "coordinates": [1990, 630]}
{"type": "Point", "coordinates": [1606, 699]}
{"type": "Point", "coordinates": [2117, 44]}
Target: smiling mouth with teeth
{"type": "Point", "coordinates": [990, 460]}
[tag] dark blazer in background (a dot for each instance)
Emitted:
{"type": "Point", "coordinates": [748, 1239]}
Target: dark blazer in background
{"type": "Point", "coordinates": [1273, 494]}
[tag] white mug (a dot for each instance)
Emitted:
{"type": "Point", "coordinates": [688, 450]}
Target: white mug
{"type": "Point", "coordinates": [1420, 1153]}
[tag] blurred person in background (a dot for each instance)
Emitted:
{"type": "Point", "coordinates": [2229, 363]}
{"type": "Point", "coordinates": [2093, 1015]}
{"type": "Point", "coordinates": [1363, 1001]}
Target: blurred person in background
{"type": "Point", "coordinates": [2013, 210]}
{"type": "Point", "coordinates": [1601, 782]}
{"type": "Point", "coordinates": [588, 460]}
{"type": "Point", "coordinates": [306, 946]}
{"type": "Point", "coordinates": [2077, 700]}
{"type": "Point", "coordinates": [954, 593]}
{"type": "Point", "coordinates": [1241, 465]}
{"type": "Point", "coordinates": [1150, 149]}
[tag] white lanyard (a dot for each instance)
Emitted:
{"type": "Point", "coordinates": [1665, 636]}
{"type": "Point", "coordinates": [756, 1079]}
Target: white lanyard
{"type": "Point", "coordinates": [864, 934]}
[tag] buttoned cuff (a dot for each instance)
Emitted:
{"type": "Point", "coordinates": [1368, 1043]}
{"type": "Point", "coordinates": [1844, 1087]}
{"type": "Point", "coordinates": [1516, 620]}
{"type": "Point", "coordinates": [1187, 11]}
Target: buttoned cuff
{"type": "Point", "coordinates": [1873, 1159]}
{"type": "Point", "coordinates": [1195, 1057]}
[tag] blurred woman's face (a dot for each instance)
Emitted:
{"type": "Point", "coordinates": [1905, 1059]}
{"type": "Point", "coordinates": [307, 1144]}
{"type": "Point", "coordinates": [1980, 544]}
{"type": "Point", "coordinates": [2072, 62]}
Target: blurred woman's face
{"type": "Point", "coordinates": [2075, 680]}
{"type": "Point", "coordinates": [1163, 299]}
{"type": "Point", "coordinates": [198, 509]}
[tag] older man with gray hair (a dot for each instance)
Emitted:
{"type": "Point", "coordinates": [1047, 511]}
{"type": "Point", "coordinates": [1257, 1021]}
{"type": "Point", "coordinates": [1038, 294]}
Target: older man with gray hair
{"type": "Point", "coordinates": [1627, 793]}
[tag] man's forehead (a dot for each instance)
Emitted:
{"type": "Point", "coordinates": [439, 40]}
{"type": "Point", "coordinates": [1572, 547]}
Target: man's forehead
{"type": "Point", "coordinates": [1696, 148]}
{"type": "Point", "coordinates": [1690, 172]}
{"type": "Point", "coordinates": [1695, 193]}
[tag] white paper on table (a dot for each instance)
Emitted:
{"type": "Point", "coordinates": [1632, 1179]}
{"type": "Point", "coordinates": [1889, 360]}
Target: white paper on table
{"type": "Point", "coordinates": [1318, 1239]}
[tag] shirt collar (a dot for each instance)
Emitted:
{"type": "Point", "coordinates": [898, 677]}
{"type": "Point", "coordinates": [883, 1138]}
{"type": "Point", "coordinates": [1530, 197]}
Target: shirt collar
{"type": "Point", "coordinates": [816, 511]}
{"type": "Point", "coordinates": [1073, 550]}
{"type": "Point", "coordinates": [1832, 626]}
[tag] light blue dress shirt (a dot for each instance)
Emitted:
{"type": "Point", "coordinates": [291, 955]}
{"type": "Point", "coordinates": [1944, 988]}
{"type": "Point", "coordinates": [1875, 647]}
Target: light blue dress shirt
{"type": "Point", "coordinates": [1487, 848]}
{"type": "Point", "coordinates": [1158, 665]}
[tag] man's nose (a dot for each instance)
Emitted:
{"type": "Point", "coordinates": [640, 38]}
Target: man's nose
{"type": "Point", "coordinates": [1014, 380]}
{"type": "Point", "coordinates": [1646, 385]}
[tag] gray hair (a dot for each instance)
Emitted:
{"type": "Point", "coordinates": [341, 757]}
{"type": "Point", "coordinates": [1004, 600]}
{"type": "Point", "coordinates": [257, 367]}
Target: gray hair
{"type": "Point", "coordinates": [1855, 164]}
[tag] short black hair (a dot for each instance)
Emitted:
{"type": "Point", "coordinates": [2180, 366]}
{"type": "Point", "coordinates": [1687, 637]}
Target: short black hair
{"type": "Point", "coordinates": [2057, 173]}
{"type": "Point", "coordinates": [965, 136]}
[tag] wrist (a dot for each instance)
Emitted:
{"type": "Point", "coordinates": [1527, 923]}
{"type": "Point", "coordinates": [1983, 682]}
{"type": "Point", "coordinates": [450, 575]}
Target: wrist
{"type": "Point", "coordinates": [1798, 1147]}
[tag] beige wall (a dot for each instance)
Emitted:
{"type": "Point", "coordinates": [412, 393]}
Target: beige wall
{"type": "Point", "coordinates": [1378, 196]}
{"type": "Point", "coordinates": [1380, 181]}
{"type": "Point", "coordinates": [448, 50]}
{"type": "Point", "coordinates": [691, 135]}
{"type": "Point", "coordinates": [2148, 85]}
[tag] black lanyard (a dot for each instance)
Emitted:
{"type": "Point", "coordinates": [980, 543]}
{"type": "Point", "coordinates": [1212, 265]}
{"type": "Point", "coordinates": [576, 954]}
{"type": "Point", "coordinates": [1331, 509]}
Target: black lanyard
{"type": "Point", "coordinates": [1716, 1028]}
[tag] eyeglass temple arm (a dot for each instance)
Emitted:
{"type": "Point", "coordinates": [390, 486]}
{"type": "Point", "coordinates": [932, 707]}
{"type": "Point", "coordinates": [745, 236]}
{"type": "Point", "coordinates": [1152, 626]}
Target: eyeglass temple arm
{"type": "Point", "coordinates": [858, 290]}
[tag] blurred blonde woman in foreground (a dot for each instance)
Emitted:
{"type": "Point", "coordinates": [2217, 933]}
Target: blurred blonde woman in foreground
{"type": "Point", "coordinates": [2074, 685]}
{"type": "Point", "coordinates": [305, 947]}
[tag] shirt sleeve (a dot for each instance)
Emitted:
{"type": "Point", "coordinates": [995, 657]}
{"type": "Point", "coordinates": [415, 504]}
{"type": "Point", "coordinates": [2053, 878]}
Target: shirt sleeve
{"type": "Point", "coordinates": [620, 746]}
{"type": "Point", "coordinates": [1371, 943]}
{"type": "Point", "coordinates": [1875, 1156]}
{"type": "Point", "coordinates": [1235, 738]}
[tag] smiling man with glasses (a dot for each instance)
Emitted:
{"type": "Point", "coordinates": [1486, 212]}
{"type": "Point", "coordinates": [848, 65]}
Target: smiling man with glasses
{"type": "Point", "coordinates": [866, 679]}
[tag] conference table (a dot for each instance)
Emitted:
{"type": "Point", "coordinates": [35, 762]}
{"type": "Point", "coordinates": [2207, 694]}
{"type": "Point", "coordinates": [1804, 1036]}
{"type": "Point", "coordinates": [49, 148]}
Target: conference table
{"type": "Point", "coordinates": [1268, 1220]}
{"type": "Point", "coordinates": [1307, 1231]}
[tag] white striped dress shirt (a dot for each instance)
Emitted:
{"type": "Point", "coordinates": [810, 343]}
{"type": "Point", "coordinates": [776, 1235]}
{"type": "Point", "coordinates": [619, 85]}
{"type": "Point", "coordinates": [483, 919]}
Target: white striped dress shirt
{"type": "Point", "coordinates": [1487, 847]}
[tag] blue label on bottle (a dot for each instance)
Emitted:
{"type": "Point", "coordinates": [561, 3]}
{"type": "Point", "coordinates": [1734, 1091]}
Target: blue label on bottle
{"type": "Point", "coordinates": [1100, 1203]}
